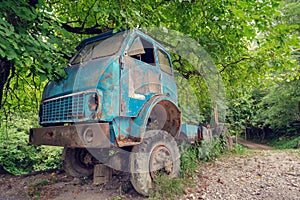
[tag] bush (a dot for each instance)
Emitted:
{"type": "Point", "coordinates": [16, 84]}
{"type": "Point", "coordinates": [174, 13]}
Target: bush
{"type": "Point", "coordinates": [197, 152]}
{"type": "Point", "coordinates": [285, 142]}
{"type": "Point", "coordinates": [16, 156]}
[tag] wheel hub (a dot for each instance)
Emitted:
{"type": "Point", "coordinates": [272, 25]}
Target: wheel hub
{"type": "Point", "coordinates": [160, 161]}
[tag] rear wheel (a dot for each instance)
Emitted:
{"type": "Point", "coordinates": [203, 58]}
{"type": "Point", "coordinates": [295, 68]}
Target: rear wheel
{"type": "Point", "coordinates": [78, 162]}
{"type": "Point", "coordinates": [158, 153]}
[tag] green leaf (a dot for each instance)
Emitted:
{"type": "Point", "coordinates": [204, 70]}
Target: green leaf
{"type": "Point", "coordinates": [11, 54]}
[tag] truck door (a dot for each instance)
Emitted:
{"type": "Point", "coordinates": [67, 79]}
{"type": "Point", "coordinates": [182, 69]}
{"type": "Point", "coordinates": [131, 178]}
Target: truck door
{"type": "Point", "coordinates": [167, 78]}
{"type": "Point", "coordinates": [140, 76]}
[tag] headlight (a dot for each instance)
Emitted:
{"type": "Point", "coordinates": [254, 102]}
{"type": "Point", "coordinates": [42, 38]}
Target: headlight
{"type": "Point", "coordinates": [93, 102]}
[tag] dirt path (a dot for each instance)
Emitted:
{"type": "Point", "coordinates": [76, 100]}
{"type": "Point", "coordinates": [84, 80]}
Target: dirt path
{"type": "Point", "coordinates": [59, 186]}
{"type": "Point", "coordinates": [251, 145]}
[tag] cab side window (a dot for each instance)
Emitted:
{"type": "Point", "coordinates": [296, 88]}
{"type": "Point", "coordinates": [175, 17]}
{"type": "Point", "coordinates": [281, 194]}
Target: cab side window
{"type": "Point", "coordinates": [164, 62]}
{"type": "Point", "coordinates": [142, 50]}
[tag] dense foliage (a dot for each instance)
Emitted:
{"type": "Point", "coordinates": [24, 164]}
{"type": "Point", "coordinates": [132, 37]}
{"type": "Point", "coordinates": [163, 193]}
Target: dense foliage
{"type": "Point", "coordinates": [254, 45]}
{"type": "Point", "coordinates": [271, 107]}
{"type": "Point", "coordinates": [16, 156]}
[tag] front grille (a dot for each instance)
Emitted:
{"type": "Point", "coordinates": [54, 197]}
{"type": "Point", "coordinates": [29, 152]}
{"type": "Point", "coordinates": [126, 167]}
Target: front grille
{"type": "Point", "coordinates": [64, 109]}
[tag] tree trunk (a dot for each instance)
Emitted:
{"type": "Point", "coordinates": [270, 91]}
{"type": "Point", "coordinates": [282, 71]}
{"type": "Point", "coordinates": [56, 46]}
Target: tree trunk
{"type": "Point", "coordinates": [5, 68]}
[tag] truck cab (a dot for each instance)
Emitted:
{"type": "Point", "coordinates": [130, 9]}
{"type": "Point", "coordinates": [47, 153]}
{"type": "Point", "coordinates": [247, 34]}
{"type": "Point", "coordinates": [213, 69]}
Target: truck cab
{"type": "Point", "coordinates": [120, 83]}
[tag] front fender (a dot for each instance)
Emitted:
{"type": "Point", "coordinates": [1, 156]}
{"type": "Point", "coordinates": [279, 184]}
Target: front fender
{"type": "Point", "coordinates": [162, 109]}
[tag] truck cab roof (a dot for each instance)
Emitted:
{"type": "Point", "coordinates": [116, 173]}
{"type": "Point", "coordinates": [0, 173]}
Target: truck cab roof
{"type": "Point", "coordinates": [95, 39]}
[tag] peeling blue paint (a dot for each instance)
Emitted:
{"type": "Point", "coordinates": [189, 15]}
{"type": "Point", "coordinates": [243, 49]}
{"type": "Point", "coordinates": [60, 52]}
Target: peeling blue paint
{"type": "Point", "coordinates": [128, 85]}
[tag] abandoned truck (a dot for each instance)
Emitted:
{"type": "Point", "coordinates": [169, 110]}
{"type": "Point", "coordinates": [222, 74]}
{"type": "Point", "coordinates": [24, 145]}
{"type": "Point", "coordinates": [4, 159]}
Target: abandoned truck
{"type": "Point", "coordinates": [119, 93]}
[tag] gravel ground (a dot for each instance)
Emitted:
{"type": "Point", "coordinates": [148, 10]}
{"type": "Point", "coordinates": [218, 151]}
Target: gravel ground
{"type": "Point", "coordinates": [257, 175]}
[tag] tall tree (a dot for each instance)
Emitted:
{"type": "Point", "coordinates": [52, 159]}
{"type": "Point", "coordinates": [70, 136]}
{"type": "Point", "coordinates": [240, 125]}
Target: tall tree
{"type": "Point", "coordinates": [31, 43]}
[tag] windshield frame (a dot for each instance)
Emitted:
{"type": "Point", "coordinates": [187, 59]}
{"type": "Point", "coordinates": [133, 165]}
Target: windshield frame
{"type": "Point", "coordinates": [85, 53]}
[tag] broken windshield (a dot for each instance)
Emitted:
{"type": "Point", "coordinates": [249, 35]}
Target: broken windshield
{"type": "Point", "coordinates": [102, 48]}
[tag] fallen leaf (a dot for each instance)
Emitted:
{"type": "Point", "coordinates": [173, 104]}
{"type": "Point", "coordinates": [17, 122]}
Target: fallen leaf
{"type": "Point", "coordinates": [220, 181]}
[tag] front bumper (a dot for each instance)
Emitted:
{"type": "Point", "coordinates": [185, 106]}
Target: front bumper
{"type": "Point", "coordinates": [92, 135]}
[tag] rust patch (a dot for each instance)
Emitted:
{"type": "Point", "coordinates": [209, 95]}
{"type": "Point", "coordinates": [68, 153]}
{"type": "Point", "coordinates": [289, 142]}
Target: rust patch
{"type": "Point", "coordinates": [107, 76]}
{"type": "Point", "coordinates": [99, 114]}
{"type": "Point", "coordinates": [173, 120]}
{"type": "Point", "coordinates": [49, 135]}
{"type": "Point", "coordinates": [129, 141]}
{"type": "Point", "coordinates": [130, 126]}
{"type": "Point", "coordinates": [120, 137]}
{"type": "Point", "coordinates": [123, 105]}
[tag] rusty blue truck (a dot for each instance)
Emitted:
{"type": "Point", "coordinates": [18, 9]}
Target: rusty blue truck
{"type": "Point", "coordinates": [119, 92]}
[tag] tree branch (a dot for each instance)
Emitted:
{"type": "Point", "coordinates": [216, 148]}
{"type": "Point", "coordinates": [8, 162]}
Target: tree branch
{"type": "Point", "coordinates": [79, 30]}
{"type": "Point", "coordinates": [233, 63]}
{"type": "Point", "coordinates": [87, 15]}
{"type": "Point", "coordinates": [184, 73]}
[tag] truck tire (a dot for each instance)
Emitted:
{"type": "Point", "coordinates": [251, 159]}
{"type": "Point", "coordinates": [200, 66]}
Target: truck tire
{"type": "Point", "coordinates": [77, 162]}
{"type": "Point", "coordinates": [158, 153]}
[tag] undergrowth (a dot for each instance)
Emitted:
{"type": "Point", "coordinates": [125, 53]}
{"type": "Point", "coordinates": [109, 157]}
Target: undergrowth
{"type": "Point", "coordinates": [238, 149]}
{"type": "Point", "coordinates": [16, 156]}
{"type": "Point", "coordinates": [168, 188]}
{"type": "Point", "coordinates": [285, 142]}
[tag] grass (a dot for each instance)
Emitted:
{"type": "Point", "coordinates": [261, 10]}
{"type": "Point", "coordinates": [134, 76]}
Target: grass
{"type": "Point", "coordinates": [238, 149]}
{"type": "Point", "coordinates": [285, 142]}
{"type": "Point", "coordinates": [169, 188]}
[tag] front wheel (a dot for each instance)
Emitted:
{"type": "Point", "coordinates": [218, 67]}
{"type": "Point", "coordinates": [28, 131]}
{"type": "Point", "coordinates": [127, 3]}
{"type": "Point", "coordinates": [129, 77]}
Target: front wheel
{"type": "Point", "coordinates": [158, 153]}
{"type": "Point", "coordinates": [78, 162]}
